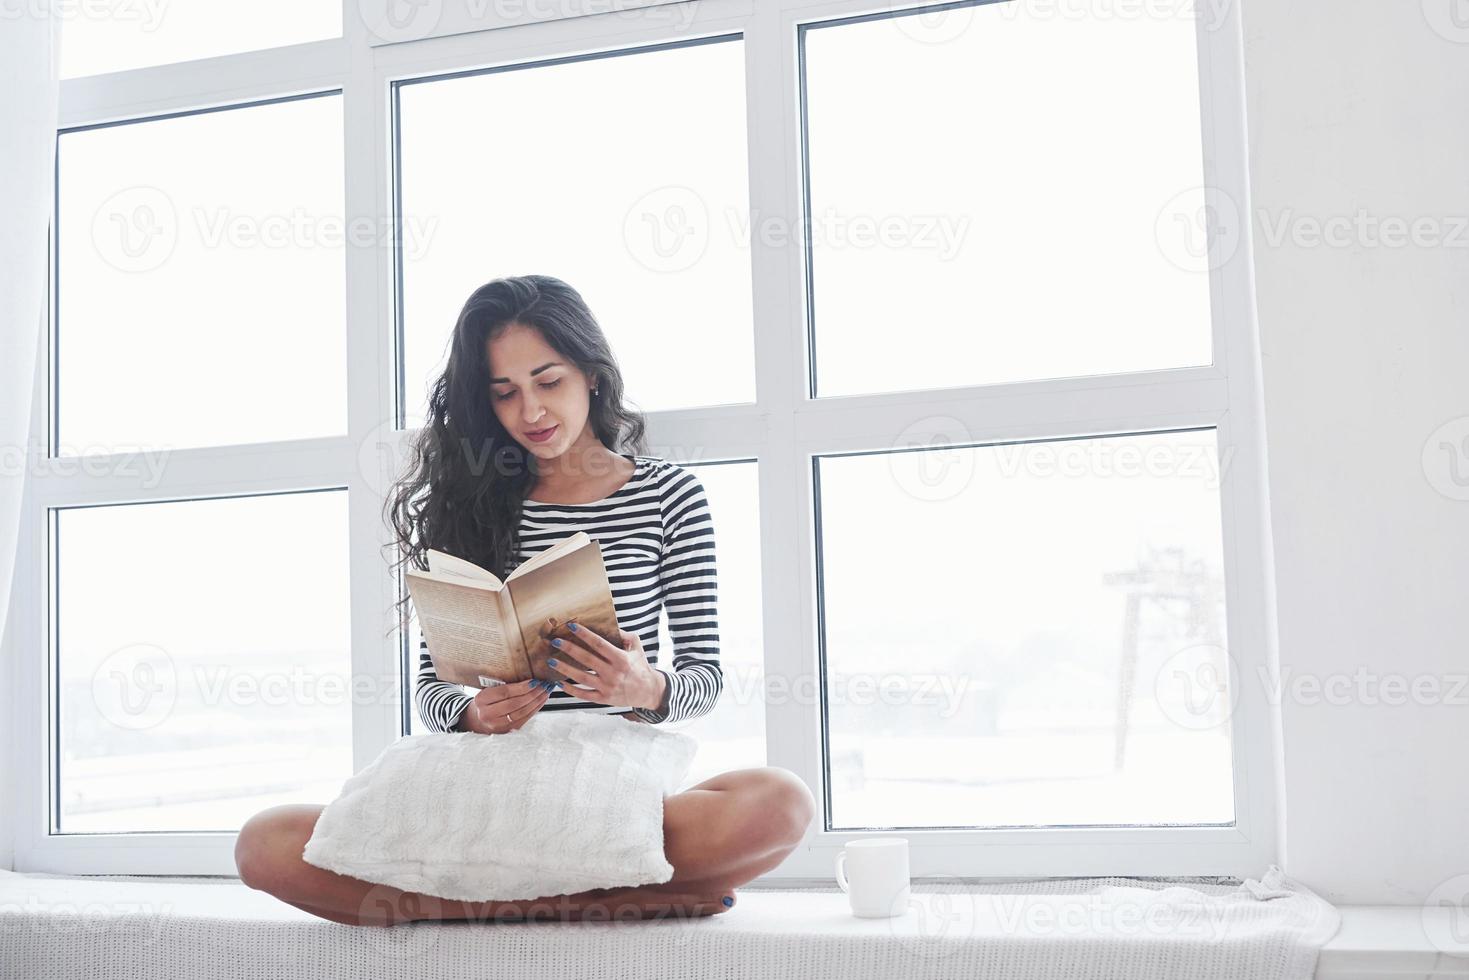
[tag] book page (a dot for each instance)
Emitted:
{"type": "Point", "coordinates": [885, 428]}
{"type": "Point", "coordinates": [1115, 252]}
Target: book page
{"type": "Point", "coordinates": [443, 563]}
{"type": "Point", "coordinates": [577, 540]}
{"type": "Point", "coordinates": [573, 587]}
{"type": "Point", "coordinates": [464, 629]}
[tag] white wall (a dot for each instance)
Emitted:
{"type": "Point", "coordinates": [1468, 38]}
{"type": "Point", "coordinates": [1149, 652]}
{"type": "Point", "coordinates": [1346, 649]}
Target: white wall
{"type": "Point", "coordinates": [1364, 104]}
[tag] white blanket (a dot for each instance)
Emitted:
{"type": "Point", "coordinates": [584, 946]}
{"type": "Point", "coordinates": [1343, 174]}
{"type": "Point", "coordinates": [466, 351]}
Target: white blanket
{"type": "Point", "coordinates": [568, 802]}
{"type": "Point", "coordinates": [61, 927]}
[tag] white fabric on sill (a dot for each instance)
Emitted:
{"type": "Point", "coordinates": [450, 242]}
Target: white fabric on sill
{"type": "Point", "coordinates": [132, 928]}
{"type": "Point", "coordinates": [567, 802]}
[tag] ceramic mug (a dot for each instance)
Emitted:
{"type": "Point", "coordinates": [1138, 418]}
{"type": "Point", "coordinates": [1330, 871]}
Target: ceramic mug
{"type": "Point", "coordinates": [873, 871]}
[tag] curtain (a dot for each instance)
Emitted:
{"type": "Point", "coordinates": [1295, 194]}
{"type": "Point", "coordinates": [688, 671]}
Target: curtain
{"type": "Point", "coordinates": [27, 152]}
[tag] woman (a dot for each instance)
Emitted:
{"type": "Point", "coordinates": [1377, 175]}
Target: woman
{"type": "Point", "coordinates": [520, 450]}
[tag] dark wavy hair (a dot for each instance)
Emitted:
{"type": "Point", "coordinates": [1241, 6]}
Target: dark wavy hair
{"type": "Point", "coordinates": [468, 478]}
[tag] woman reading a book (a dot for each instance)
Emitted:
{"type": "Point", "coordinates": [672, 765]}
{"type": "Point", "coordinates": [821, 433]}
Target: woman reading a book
{"type": "Point", "coordinates": [528, 441]}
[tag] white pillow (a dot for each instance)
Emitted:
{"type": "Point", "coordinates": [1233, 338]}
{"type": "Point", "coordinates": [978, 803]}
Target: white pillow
{"type": "Point", "coordinates": [571, 800]}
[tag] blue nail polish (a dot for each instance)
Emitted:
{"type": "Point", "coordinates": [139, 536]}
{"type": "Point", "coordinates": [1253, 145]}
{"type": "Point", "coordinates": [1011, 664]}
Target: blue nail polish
{"type": "Point", "coordinates": [573, 626]}
{"type": "Point", "coordinates": [535, 682]}
{"type": "Point", "coordinates": [728, 901]}
{"type": "Point", "coordinates": [556, 642]}
{"type": "Point", "coordinates": [551, 662]}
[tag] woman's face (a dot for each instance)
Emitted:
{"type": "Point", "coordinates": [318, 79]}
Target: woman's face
{"type": "Point", "coordinates": [532, 387]}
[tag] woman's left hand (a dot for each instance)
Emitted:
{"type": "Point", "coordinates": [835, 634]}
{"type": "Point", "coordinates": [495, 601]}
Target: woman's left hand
{"type": "Point", "coordinates": [616, 675]}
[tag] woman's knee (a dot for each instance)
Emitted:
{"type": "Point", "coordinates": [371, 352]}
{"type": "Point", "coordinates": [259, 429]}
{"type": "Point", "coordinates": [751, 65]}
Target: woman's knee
{"type": "Point", "coordinates": [781, 805]}
{"type": "Point", "coordinates": [269, 844]}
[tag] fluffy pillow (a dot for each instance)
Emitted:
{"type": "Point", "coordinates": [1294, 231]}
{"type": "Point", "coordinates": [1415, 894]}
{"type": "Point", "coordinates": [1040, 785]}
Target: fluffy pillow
{"type": "Point", "coordinates": [571, 800]}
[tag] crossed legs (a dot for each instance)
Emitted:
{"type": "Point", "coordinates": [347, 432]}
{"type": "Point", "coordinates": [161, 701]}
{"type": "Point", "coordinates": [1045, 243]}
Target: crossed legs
{"type": "Point", "coordinates": [718, 835]}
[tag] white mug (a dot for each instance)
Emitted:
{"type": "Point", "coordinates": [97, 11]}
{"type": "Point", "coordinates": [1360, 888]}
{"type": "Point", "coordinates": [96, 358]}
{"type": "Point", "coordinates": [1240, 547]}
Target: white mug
{"type": "Point", "coordinates": [873, 871]}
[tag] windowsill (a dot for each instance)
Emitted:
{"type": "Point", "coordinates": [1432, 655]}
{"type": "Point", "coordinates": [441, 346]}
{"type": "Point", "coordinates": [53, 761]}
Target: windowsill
{"type": "Point", "coordinates": [1392, 941]}
{"type": "Point", "coordinates": [1376, 942]}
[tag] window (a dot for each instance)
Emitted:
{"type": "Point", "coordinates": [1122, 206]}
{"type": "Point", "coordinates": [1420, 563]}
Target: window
{"type": "Point", "coordinates": [947, 307]}
{"type": "Point", "coordinates": [178, 241]}
{"type": "Point", "coordinates": [180, 709]}
{"type": "Point", "coordinates": [601, 173]}
{"type": "Point", "coordinates": [1012, 223]}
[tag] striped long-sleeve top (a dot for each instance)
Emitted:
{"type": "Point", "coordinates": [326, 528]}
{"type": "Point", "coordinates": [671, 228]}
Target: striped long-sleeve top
{"type": "Point", "coordinates": [657, 539]}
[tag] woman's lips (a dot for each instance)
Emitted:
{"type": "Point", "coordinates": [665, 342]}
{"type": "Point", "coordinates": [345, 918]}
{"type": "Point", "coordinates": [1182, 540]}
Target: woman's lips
{"type": "Point", "coordinates": [541, 436]}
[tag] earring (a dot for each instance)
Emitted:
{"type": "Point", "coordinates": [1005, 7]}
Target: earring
{"type": "Point", "coordinates": [594, 391]}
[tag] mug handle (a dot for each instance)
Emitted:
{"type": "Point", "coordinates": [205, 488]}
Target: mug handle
{"type": "Point", "coordinates": [842, 870]}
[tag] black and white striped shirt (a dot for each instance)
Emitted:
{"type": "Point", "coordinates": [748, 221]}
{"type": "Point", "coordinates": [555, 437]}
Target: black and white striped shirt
{"type": "Point", "coordinates": [657, 539]}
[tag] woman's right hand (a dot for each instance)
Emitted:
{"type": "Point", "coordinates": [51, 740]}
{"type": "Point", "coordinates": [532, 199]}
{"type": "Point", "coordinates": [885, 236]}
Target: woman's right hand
{"type": "Point", "coordinates": [504, 707]}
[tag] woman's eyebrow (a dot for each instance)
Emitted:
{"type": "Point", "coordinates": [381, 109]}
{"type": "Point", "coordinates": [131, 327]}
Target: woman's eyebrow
{"type": "Point", "coordinates": [533, 373]}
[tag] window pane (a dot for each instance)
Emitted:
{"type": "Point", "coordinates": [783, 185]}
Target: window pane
{"type": "Point", "coordinates": [201, 279]}
{"type": "Point", "coordinates": [601, 173]}
{"type": "Point", "coordinates": [732, 735]}
{"type": "Point", "coordinates": [205, 672]}
{"type": "Point", "coordinates": [1032, 596]}
{"type": "Point", "coordinates": [103, 37]}
{"type": "Point", "coordinates": [1017, 192]}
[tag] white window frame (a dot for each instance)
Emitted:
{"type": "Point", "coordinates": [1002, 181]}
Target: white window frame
{"type": "Point", "coordinates": [783, 429]}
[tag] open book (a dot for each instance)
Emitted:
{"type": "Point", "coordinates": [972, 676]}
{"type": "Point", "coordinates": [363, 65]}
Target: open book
{"type": "Point", "coordinates": [481, 631]}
